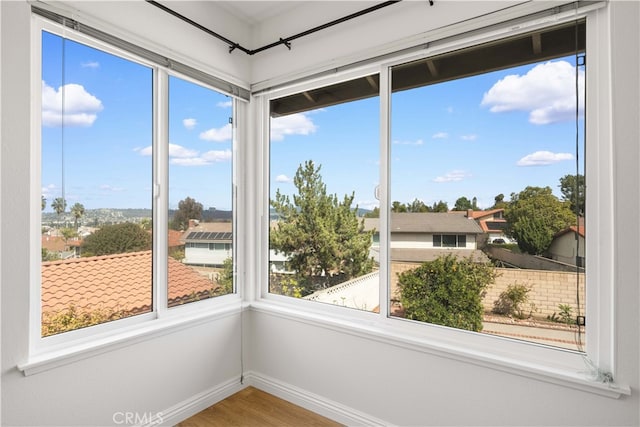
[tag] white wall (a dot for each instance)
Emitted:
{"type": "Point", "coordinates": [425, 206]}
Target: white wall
{"type": "Point", "coordinates": [146, 377]}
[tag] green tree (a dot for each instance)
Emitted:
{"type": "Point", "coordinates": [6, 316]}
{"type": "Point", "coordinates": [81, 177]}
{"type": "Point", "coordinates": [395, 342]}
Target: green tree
{"type": "Point", "coordinates": [59, 205]}
{"type": "Point", "coordinates": [446, 291]}
{"type": "Point", "coordinates": [77, 210]}
{"type": "Point", "coordinates": [49, 256]}
{"type": "Point", "coordinates": [375, 213]}
{"type": "Point", "coordinates": [68, 233]}
{"type": "Point", "coordinates": [572, 188]}
{"type": "Point", "coordinates": [417, 206]}
{"type": "Point", "coordinates": [225, 278]}
{"type": "Point", "coordinates": [462, 204]}
{"type": "Point", "coordinates": [398, 207]}
{"type": "Point", "coordinates": [146, 224]}
{"type": "Point", "coordinates": [534, 216]}
{"type": "Point", "coordinates": [43, 203]}
{"type": "Point", "coordinates": [115, 239]}
{"type": "Point", "coordinates": [322, 236]}
{"type": "Point", "coordinates": [187, 209]}
{"type": "Point", "coordinates": [499, 202]}
{"type": "Point", "coordinates": [440, 207]}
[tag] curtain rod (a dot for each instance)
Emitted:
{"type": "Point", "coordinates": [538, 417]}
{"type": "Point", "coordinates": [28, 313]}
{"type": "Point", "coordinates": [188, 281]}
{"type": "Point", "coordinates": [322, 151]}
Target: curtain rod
{"type": "Point", "coordinates": [282, 41]}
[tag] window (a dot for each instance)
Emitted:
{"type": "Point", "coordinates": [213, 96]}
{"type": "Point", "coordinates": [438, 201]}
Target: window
{"type": "Point", "coordinates": [324, 162]}
{"type": "Point", "coordinates": [96, 186]}
{"type": "Point", "coordinates": [485, 187]}
{"type": "Point", "coordinates": [200, 192]}
{"type": "Point", "coordinates": [136, 187]}
{"type": "Point", "coordinates": [489, 141]}
{"type": "Point", "coordinates": [450, 240]}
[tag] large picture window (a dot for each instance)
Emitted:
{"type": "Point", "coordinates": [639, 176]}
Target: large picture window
{"type": "Point", "coordinates": [485, 185]}
{"type": "Point", "coordinates": [324, 161]}
{"type": "Point", "coordinates": [97, 115]}
{"type": "Point", "coordinates": [487, 157]}
{"type": "Point", "coordinates": [113, 154]}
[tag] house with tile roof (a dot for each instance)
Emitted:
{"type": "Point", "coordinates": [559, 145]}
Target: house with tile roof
{"type": "Point", "coordinates": [116, 283]}
{"type": "Point", "coordinates": [492, 222]}
{"type": "Point", "coordinates": [208, 243]}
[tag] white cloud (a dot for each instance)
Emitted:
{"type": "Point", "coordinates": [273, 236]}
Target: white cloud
{"type": "Point", "coordinates": [543, 158]}
{"type": "Point", "coordinates": [48, 191]}
{"type": "Point", "coordinates": [416, 142]}
{"type": "Point", "coordinates": [90, 64]}
{"type": "Point", "coordinates": [470, 137]}
{"type": "Point", "coordinates": [453, 176]}
{"type": "Point", "coordinates": [283, 178]}
{"type": "Point", "coordinates": [179, 155]}
{"type": "Point", "coordinates": [218, 135]}
{"type": "Point", "coordinates": [293, 124]}
{"type": "Point", "coordinates": [189, 123]}
{"type": "Point", "coordinates": [146, 151]}
{"type": "Point", "coordinates": [180, 152]}
{"type": "Point", "coordinates": [224, 104]}
{"type": "Point", "coordinates": [547, 92]}
{"type": "Point", "coordinates": [217, 156]}
{"type": "Point", "coordinates": [80, 107]}
{"type": "Point", "coordinates": [440, 135]}
{"type": "Point", "coordinates": [449, 110]}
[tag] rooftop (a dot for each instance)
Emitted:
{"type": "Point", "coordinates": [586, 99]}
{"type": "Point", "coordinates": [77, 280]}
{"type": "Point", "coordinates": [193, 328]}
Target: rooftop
{"type": "Point", "coordinates": [114, 282]}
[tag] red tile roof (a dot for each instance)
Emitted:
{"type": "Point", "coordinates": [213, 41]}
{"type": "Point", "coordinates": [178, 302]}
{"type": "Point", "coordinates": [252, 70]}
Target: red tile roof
{"type": "Point", "coordinates": [579, 230]}
{"type": "Point", "coordinates": [175, 238]}
{"type": "Point", "coordinates": [115, 282]}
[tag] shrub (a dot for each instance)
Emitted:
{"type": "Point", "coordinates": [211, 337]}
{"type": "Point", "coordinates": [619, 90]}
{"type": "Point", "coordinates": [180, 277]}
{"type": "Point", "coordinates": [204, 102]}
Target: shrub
{"type": "Point", "coordinates": [73, 318]}
{"type": "Point", "coordinates": [511, 301]}
{"type": "Point", "coordinates": [446, 291]}
{"type": "Point", "coordinates": [566, 314]}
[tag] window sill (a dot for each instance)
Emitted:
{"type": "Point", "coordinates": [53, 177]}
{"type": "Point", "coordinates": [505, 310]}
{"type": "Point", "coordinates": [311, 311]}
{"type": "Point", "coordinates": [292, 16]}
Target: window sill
{"type": "Point", "coordinates": [76, 350]}
{"type": "Point", "coordinates": [555, 366]}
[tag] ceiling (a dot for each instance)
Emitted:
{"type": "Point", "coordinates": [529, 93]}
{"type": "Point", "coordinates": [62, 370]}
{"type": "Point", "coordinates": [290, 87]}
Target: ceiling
{"type": "Point", "coordinates": [255, 12]}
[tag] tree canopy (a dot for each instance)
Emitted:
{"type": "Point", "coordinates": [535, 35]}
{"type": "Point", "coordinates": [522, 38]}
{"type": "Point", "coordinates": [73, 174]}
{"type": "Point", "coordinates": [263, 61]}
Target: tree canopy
{"type": "Point", "coordinates": [572, 188]}
{"type": "Point", "coordinates": [187, 209]}
{"type": "Point", "coordinates": [534, 216]}
{"type": "Point", "coordinates": [77, 210]}
{"type": "Point", "coordinates": [117, 238]}
{"type": "Point", "coordinates": [59, 205]}
{"type": "Point", "coordinates": [321, 235]}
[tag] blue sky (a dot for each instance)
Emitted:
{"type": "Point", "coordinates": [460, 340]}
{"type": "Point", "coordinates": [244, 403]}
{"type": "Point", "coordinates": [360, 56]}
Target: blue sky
{"type": "Point", "coordinates": [108, 130]}
{"type": "Point", "coordinates": [474, 137]}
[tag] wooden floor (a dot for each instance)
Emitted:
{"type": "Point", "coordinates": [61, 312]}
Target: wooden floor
{"type": "Point", "coordinates": [252, 407]}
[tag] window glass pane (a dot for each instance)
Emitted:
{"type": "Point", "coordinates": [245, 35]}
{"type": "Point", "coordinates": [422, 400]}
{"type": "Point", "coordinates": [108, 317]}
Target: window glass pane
{"type": "Point", "coordinates": [324, 157]}
{"type": "Point", "coordinates": [200, 193]}
{"type": "Point", "coordinates": [96, 186]}
{"type": "Point", "coordinates": [487, 156]}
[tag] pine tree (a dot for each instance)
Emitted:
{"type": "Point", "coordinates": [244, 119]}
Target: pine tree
{"type": "Point", "coordinates": [321, 235]}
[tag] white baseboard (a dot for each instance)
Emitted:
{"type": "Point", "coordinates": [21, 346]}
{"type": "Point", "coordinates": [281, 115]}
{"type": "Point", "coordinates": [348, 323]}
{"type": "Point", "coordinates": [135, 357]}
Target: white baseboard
{"type": "Point", "coordinates": [318, 404]}
{"type": "Point", "coordinates": [195, 404]}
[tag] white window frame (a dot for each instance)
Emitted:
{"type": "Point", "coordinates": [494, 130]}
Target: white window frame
{"type": "Point", "coordinates": [554, 365]}
{"type": "Point", "coordinates": [49, 352]}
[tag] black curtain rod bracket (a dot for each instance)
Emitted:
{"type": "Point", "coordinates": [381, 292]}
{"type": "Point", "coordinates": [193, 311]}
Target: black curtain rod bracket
{"type": "Point", "coordinates": [284, 41]}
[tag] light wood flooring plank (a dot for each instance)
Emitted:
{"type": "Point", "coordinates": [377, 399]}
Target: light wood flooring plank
{"type": "Point", "coordinates": [254, 408]}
